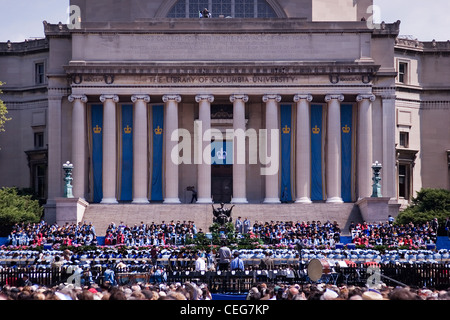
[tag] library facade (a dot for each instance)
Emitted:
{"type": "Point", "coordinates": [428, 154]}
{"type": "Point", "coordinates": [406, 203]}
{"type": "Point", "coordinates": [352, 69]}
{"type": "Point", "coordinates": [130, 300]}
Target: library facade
{"type": "Point", "coordinates": [265, 102]}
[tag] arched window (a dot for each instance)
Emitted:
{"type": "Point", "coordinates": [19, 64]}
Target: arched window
{"type": "Point", "coordinates": [225, 8]}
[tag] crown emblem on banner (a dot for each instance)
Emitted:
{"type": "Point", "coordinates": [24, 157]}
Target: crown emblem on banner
{"type": "Point", "coordinates": [127, 130]}
{"type": "Point", "coordinates": [222, 155]}
{"type": "Point", "coordinates": [97, 129]}
{"type": "Point", "coordinates": [286, 129]}
{"type": "Point", "coordinates": [346, 129]}
{"type": "Point", "coordinates": [158, 130]}
{"type": "Point", "coordinates": [316, 130]}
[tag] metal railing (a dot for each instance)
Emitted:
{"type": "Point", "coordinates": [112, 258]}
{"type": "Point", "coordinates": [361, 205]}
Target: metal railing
{"type": "Point", "coordinates": [414, 275]}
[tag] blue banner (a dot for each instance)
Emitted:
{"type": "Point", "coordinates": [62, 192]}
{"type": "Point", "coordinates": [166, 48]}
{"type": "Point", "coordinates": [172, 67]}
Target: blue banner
{"type": "Point", "coordinates": [317, 192]}
{"type": "Point", "coordinates": [222, 152]}
{"type": "Point", "coordinates": [286, 147]}
{"type": "Point", "coordinates": [157, 153]}
{"type": "Point", "coordinates": [126, 191]}
{"type": "Point", "coordinates": [347, 152]}
{"type": "Point", "coordinates": [97, 150]}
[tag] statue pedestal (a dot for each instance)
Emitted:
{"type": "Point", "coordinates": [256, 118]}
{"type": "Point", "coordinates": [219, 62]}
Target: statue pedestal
{"type": "Point", "coordinates": [377, 209]}
{"type": "Point", "coordinates": [70, 210]}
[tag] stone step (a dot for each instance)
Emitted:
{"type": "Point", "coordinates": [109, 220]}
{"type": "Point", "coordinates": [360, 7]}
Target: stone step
{"type": "Point", "coordinates": [101, 215]}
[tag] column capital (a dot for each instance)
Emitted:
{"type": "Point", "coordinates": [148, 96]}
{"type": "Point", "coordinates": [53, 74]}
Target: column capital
{"type": "Point", "coordinates": [207, 97]}
{"type": "Point", "coordinates": [329, 97]}
{"type": "Point", "coordinates": [105, 97]}
{"type": "Point", "coordinates": [242, 97]}
{"type": "Point", "coordinates": [80, 97]}
{"type": "Point", "coordinates": [362, 97]}
{"type": "Point", "coordinates": [171, 97]}
{"type": "Point", "coordinates": [268, 97]}
{"type": "Point", "coordinates": [306, 97]}
{"type": "Point", "coordinates": [137, 97]}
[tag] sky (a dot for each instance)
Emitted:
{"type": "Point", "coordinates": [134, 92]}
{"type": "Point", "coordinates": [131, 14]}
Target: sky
{"type": "Point", "coordinates": [421, 19]}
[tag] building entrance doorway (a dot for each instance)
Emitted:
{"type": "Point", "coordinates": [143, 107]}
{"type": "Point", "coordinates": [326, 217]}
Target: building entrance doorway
{"type": "Point", "coordinates": [221, 183]}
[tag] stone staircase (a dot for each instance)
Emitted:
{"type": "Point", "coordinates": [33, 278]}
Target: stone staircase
{"type": "Point", "coordinates": [101, 215]}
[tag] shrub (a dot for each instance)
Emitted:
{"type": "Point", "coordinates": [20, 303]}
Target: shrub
{"type": "Point", "coordinates": [427, 205]}
{"type": "Point", "coordinates": [17, 208]}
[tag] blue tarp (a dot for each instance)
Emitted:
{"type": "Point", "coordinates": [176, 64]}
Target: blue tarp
{"type": "Point", "coordinates": [218, 296]}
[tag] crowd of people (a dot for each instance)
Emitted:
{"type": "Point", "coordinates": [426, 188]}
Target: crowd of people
{"type": "Point", "coordinates": [171, 233]}
{"type": "Point", "coordinates": [37, 234]}
{"type": "Point", "coordinates": [163, 249]}
{"type": "Point", "coordinates": [323, 291]}
{"type": "Point", "coordinates": [308, 233]}
{"type": "Point", "coordinates": [316, 233]}
{"type": "Point", "coordinates": [390, 234]}
{"type": "Point", "coordinates": [200, 291]}
{"type": "Point", "coordinates": [101, 272]}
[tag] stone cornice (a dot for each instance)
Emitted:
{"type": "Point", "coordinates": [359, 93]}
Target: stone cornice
{"type": "Point", "coordinates": [25, 47]}
{"type": "Point", "coordinates": [406, 44]}
{"type": "Point", "coordinates": [56, 30]}
{"type": "Point", "coordinates": [235, 25]}
{"type": "Point", "coordinates": [105, 72]}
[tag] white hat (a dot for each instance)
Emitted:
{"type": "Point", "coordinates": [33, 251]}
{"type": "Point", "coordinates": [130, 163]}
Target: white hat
{"type": "Point", "coordinates": [372, 295]}
{"type": "Point", "coordinates": [329, 295]}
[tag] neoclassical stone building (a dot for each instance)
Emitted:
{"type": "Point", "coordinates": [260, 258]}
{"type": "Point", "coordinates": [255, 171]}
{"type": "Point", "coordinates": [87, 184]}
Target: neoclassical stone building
{"type": "Point", "coordinates": [265, 102]}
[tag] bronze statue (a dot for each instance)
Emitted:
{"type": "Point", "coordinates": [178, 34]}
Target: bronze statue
{"type": "Point", "coordinates": [222, 215]}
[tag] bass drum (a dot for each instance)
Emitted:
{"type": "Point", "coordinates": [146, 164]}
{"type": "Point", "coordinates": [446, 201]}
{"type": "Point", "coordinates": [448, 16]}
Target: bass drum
{"type": "Point", "coordinates": [318, 267]}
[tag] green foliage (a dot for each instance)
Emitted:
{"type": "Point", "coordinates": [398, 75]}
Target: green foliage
{"type": "Point", "coordinates": [17, 208]}
{"type": "Point", "coordinates": [3, 113]}
{"type": "Point", "coordinates": [246, 242]}
{"type": "Point", "coordinates": [242, 242]}
{"type": "Point", "coordinates": [427, 205]}
{"type": "Point", "coordinates": [217, 233]}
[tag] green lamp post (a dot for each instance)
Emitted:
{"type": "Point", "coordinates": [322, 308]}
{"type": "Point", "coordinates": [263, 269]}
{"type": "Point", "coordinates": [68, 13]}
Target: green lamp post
{"type": "Point", "coordinates": [68, 167]}
{"type": "Point", "coordinates": [376, 187]}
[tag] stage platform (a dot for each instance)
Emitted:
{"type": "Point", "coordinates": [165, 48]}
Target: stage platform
{"type": "Point", "coordinates": [101, 215]}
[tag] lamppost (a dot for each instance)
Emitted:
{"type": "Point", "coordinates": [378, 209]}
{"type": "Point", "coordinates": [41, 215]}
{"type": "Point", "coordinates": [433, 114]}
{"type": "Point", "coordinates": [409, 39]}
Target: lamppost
{"type": "Point", "coordinates": [68, 167]}
{"type": "Point", "coordinates": [376, 187]}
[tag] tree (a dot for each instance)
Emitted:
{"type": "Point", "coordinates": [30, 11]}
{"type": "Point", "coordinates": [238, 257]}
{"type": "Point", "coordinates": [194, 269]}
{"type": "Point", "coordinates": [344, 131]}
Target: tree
{"type": "Point", "coordinates": [3, 112]}
{"type": "Point", "coordinates": [428, 204]}
{"type": "Point", "coordinates": [17, 208]}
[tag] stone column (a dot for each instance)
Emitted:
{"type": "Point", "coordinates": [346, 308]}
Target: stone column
{"type": "Point", "coordinates": [171, 165]}
{"type": "Point", "coordinates": [303, 149]}
{"type": "Point", "coordinates": [109, 148]}
{"type": "Point", "coordinates": [203, 168]}
{"type": "Point", "coordinates": [239, 153]}
{"type": "Point", "coordinates": [79, 144]}
{"type": "Point", "coordinates": [365, 157]}
{"type": "Point", "coordinates": [55, 176]}
{"type": "Point", "coordinates": [388, 174]}
{"type": "Point", "coordinates": [333, 160]}
{"type": "Point", "coordinates": [140, 148]}
{"type": "Point", "coordinates": [272, 126]}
